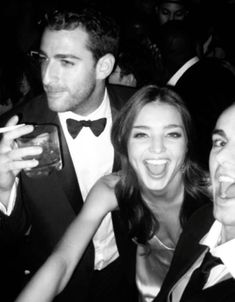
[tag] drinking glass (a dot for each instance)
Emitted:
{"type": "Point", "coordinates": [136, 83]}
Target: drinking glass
{"type": "Point", "coordinates": [47, 137]}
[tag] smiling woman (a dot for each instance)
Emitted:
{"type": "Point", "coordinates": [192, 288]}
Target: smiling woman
{"type": "Point", "coordinates": [155, 128]}
{"type": "Point", "coordinates": [157, 190]}
{"type": "Point", "coordinates": [157, 146]}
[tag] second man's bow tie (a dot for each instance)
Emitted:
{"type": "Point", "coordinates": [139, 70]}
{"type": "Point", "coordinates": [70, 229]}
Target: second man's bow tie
{"type": "Point", "coordinates": [97, 126]}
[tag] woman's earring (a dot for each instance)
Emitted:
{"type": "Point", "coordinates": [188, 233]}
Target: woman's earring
{"type": "Point", "coordinates": [182, 168]}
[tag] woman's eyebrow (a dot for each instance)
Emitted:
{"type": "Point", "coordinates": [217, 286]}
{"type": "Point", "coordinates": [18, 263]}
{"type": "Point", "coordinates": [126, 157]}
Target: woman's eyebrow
{"type": "Point", "coordinates": [170, 126]}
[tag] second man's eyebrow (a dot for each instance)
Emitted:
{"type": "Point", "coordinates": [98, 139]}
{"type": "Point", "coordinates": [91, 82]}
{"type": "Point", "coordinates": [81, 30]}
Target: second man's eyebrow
{"type": "Point", "coordinates": [218, 132]}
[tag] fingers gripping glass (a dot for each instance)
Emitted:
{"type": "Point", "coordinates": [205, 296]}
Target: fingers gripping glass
{"type": "Point", "coordinates": [47, 137]}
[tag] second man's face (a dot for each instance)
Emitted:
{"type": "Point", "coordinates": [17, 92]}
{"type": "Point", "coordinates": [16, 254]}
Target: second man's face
{"type": "Point", "coordinates": [222, 167]}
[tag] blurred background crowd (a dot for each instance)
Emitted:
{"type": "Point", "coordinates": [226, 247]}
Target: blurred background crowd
{"type": "Point", "coordinates": [140, 61]}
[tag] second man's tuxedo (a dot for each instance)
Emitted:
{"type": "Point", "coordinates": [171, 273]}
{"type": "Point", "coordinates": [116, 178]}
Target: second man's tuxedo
{"type": "Point", "coordinates": [48, 205]}
{"type": "Point", "coordinates": [187, 252]}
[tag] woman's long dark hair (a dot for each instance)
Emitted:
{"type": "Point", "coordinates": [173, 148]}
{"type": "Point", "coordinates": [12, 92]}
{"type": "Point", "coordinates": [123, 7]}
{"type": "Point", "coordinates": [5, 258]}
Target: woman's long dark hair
{"type": "Point", "coordinates": [137, 216]}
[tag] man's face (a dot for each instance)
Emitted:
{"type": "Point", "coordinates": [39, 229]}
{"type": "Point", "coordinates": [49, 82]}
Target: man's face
{"type": "Point", "coordinates": [68, 71]}
{"type": "Point", "coordinates": [222, 167]}
{"type": "Point", "coordinates": [170, 11]}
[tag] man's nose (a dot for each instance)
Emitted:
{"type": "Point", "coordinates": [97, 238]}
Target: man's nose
{"type": "Point", "coordinates": [227, 155]}
{"type": "Point", "coordinates": [50, 72]}
{"type": "Point", "coordinates": [171, 17]}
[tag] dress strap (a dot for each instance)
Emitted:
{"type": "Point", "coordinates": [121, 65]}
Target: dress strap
{"type": "Point", "coordinates": [162, 244]}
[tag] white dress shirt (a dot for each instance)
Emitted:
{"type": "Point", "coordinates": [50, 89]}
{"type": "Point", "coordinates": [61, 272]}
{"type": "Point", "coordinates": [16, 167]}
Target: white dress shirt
{"type": "Point", "coordinates": [93, 157]}
{"type": "Point", "coordinates": [225, 252]}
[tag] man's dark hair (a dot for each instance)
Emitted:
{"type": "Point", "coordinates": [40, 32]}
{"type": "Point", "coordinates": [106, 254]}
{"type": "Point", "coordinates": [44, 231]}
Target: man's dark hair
{"type": "Point", "coordinates": [103, 31]}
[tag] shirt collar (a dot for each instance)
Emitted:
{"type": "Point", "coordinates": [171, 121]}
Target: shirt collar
{"type": "Point", "coordinates": [104, 110]}
{"type": "Point", "coordinates": [212, 238]}
{"type": "Point", "coordinates": [225, 251]}
{"type": "Point", "coordinates": [174, 79]}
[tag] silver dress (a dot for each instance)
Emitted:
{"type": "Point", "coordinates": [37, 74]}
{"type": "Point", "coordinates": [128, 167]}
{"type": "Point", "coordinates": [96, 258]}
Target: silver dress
{"type": "Point", "coordinates": [152, 264]}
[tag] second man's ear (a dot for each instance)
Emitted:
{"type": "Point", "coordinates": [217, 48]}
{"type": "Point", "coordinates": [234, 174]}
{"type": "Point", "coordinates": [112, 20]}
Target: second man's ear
{"type": "Point", "coordinates": [104, 66]}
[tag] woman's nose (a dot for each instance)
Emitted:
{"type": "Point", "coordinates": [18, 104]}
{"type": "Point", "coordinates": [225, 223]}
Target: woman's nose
{"type": "Point", "coordinates": [157, 145]}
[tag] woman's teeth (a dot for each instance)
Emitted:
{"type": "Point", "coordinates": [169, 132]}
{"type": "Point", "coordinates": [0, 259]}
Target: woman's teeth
{"type": "Point", "coordinates": [156, 166]}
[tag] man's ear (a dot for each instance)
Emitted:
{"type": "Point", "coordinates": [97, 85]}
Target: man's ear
{"type": "Point", "coordinates": [105, 66]}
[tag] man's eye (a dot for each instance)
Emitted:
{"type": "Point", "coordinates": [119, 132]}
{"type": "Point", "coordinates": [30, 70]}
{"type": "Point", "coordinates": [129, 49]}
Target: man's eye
{"type": "Point", "coordinates": [38, 57]}
{"type": "Point", "coordinates": [165, 12]}
{"type": "Point", "coordinates": [180, 14]}
{"type": "Point", "coordinates": [67, 63]}
{"type": "Point", "coordinates": [41, 59]}
{"type": "Point", "coordinates": [218, 143]}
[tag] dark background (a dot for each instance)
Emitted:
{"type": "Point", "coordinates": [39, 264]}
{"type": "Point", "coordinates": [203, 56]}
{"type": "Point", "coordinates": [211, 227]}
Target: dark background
{"type": "Point", "coordinates": [18, 17]}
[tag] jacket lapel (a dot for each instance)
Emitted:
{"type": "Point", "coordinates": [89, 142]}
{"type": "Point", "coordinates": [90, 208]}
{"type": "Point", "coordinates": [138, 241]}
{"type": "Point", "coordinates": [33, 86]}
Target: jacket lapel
{"type": "Point", "coordinates": [188, 249]}
{"type": "Point", "coordinates": [68, 178]}
{"type": "Point", "coordinates": [186, 259]}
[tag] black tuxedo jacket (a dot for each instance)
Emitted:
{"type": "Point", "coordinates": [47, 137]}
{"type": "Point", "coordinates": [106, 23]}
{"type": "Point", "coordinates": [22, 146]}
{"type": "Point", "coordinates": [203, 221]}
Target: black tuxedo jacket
{"type": "Point", "coordinates": [207, 88]}
{"type": "Point", "coordinates": [45, 207]}
{"type": "Point", "coordinates": [187, 252]}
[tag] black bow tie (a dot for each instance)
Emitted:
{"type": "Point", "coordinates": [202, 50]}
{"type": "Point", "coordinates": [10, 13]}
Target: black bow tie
{"type": "Point", "coordinates": [97, 126]}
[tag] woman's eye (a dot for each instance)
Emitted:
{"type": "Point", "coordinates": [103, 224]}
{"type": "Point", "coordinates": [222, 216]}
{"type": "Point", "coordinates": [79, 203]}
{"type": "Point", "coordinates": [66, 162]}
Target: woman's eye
{"type": "Point", "coordinates": [218, 143]}
{"type": "Point", "coordinates": [139, 135]}
{"type": "Point", "coordinates": [174, 134]}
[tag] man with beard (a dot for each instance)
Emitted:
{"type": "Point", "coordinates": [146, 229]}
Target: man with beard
{"type": "Point", "coordinates": [77, 54]}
